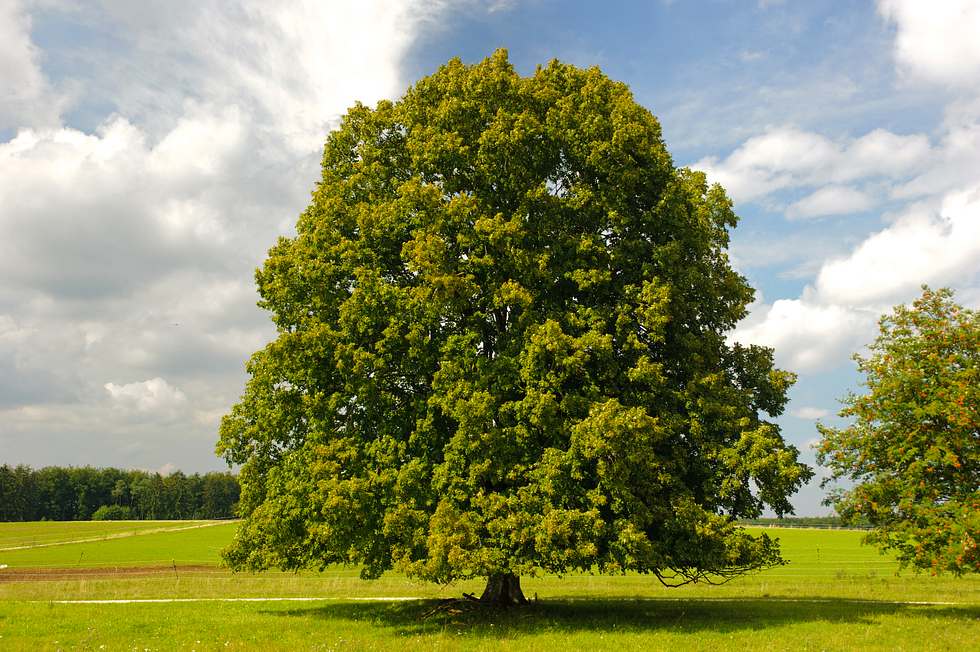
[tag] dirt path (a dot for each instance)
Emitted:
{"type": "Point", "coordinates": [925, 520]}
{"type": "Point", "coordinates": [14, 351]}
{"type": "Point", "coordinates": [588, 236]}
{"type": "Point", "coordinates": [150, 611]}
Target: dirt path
{"type": "Point", "coordinates": [398, 598]}
{"type": "Point", "coordinates": [100, 572]}
{"type": "Point", "coordinates": [118, 535]}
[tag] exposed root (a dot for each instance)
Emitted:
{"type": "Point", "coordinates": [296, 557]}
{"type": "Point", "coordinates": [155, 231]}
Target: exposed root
{"type": "Point", "coordinates": [454, 606]}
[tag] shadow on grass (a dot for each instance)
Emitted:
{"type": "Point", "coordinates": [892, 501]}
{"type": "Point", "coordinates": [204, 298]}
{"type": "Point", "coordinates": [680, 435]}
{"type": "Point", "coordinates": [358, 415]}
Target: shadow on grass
{"type": "Point", "coordinates": [626, 615]}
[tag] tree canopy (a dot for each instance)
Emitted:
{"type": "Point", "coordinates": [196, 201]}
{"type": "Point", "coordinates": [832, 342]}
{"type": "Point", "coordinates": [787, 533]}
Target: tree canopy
{"type": "Point", "coordinates": [912, 452]}
{"type": "Point", "coordinates": [502, 349]}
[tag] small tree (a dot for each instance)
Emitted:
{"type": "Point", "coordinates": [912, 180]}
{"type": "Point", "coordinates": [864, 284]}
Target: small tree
{"type": "Point", "coordinates": [112, 513]}
{"type": "Point", "coordinates": [502, 350]}
{"type": "Point", "coordinates": [913, 449]}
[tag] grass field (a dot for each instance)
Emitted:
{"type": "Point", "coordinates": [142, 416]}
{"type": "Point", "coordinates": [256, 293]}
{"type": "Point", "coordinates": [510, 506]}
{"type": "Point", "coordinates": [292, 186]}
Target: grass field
{"type": "Point", "coordinates": [834, 595]}
{"type": "Point", "coordinates": [15, 536]}
{"type": "Point", "coordinates": [184, 542]}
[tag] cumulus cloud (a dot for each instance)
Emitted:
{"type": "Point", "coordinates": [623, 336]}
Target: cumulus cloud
{"type": "Point", "coordinates": [955, 161]}
{"type": "Point", "coordinates": [94, 214]}
{"type": "Point", "coordinates": [128, 242]}
{"type": "Point", "coordinates": [167, 469]}
{"type": "Point", "coordinates": [836, 314]}
{"type": "Point", "coordinates": [24, 379]}
{"type": "Point", "coordinates": [788, 157]}
{"type": "Point", "coordinates": [931, 233]}
{"type": "Point", "coordinates": [939, 248]}
{"type": "Point", "coordinates": [295, 66]}
{"type": "Point", "coordinates": [810, 413]}
{"type": "Point", "coordinates": [936, 41]}
{"type": "Point", "coordinates": [831, 200]}
{"type": "Point", "coordinates": [807, 334]}
{"type": "Point", "coordinates": [25, 95]}
{"type": "Point", "coordinates": [152, 395]}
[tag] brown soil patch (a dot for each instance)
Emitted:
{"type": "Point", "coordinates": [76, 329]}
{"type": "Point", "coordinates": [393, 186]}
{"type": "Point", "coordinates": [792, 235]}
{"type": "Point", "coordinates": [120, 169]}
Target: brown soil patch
{"type": "Point", "coordinates": [107, 572]}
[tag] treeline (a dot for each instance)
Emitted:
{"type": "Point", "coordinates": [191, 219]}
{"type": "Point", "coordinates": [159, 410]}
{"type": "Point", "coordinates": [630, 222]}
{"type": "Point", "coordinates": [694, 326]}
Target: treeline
{"type": "Point", "coordinates": [56, 493]}
{"type": "Point", "coordinates": [806, 521]}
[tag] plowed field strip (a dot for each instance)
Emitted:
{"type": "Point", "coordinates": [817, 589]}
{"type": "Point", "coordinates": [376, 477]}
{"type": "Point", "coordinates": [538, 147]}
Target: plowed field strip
{"type": "Point", "coordinates": [397, 598]}
{"type": "Point", "coordinates": [115, 572]}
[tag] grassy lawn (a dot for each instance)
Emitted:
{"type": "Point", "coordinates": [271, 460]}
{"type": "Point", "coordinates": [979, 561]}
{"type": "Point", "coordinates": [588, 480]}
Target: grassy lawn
{"type": "Point", "coordinates": [834, 595]}
{"type": "Point", "coordinates": [549, 625]}
{"type": "Point", "coordinates": [47, 533]}
{"type": "Point", "coordinates": [147, 547]}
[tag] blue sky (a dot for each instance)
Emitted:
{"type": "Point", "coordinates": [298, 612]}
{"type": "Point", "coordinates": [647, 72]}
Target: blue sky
{"type": "Point", "coordinates": [150, 154]}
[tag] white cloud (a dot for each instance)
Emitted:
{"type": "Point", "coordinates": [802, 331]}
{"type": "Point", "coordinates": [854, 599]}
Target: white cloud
{"type": "Point", "coordinates": [306, 63]}
{"type": "Point", "coordinates": [881, 153]}
{"type": "Point", "coordinates": [221, 113]}
{"type": "Point", "coordinates": [784, 149]}
{"type": "Point", "coordinates": [798, 254]}
{"type": "Point", "coordinates": [151, 395]}
{"type": "Point", "coordinates": [810, 413]}
{"type": "Point", "coordinates": [837, 313]}
{"type": "Point", "coordinates": [127, 250]}
{"type": "Point", "coordinates": [199, 146]}
{"type": "Point", "coordinates": [955, 162]}
{"type": "Point", "coordinates": [937, 41]}
{"type": "Point", "coordinates": [496, 6]}
{"type": "Point", "coordinates": [748, 56]}
{"type": "Point", "coordinates": [787, 157]}
{"type": "Point", "coordinates": [931, 233]}
{"type": "Point", "coordinates": [831, 200]}
{"type": "Point", "coordinates": [296, 66]}
{"type": "Point", "coordinates": [766, 163]}
{"type": "Point", "coordinates": [25, 96]}
{"type": "Point", "coordinates": [922, 247]}
{"type": "Point", "coordinates": [806, 334]}
{"type": "Point", "coordinates": [95, 214]}
{"type": "Point", "coordinates": [167, 469]}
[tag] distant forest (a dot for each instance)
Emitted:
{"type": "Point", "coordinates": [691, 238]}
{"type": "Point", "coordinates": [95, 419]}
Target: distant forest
{"type": "Point", "coordinates": [84, 493]}
{"type": "Point", "coordinates": [825, 522]}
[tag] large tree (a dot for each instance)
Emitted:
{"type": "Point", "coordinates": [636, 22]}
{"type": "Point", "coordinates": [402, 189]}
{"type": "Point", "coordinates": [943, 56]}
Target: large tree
{"type": "Point", "coordinates": [911, 455]}
{"type": "Point", "coordinates": [502, 350]}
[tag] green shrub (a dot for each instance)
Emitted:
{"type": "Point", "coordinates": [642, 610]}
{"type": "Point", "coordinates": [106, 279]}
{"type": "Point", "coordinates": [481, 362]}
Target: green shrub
{"type": "Point", "coordinates": [112, 513]}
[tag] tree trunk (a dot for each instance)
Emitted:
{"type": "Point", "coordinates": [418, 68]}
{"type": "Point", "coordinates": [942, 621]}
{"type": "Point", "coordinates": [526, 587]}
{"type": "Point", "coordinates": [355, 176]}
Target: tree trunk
{"type": "Point", "coordinates": [503, 590]}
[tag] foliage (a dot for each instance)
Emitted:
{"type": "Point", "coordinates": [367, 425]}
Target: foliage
{"type": "Point", "coordinates": [913, 450]}
{"type": "Point", "coordinates": [112, 513]}
{"type": "Point", "coordinates": [502, 349]}
{"type": "Point", "coordinates": [75, 493]}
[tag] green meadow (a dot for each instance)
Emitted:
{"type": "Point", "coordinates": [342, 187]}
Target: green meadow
{"type": "Point", "coordinates": [158, 543]}
{"type": "Point", "coordinates": [834, 594]}
{"type": "Point", "coordinates": [52, 533]}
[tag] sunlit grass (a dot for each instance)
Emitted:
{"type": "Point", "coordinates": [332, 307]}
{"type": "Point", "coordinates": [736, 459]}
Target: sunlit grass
{"type": "Point", "coordinates": [585, 624]}
{"type": "Point", "coordinates": [835, 594]}
{"type": "Point", "coordinates": [186, 546]}
{"type": "Point", "coordinates": [50, 532]}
